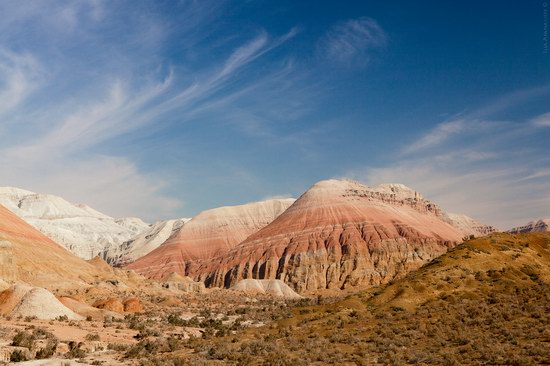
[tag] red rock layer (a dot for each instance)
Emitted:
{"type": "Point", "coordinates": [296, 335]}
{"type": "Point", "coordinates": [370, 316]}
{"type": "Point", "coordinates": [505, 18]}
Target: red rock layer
{"type": "Point", "coordinates": [211, 233]}
{"type": "Point", "coordinates": [339, 234]}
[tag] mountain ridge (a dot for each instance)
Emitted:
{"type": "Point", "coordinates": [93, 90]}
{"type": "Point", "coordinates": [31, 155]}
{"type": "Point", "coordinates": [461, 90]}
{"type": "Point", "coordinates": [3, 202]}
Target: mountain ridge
{"type": "Point", "coordinates": [81, 229]}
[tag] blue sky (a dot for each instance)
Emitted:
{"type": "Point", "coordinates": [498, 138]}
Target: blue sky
{"type": "Point", "coordinates": [163, 109]}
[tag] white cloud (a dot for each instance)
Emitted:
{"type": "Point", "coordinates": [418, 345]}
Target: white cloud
{"type": "Point", "coordinates": [351, 40]}
{"type": "Point", "coordinates": [446, 131]}
{"type": "Point", "coordinates": [110, 184]}
{"type": "Point", "coordinates": [542, 121]}
{"type": "Point", "coordinates": [437, 135]}
{"type": "Point", "coordinates": [277, 197]}
{"type": "Point", "coordinates": [191, 97]}
{"type": "Point", "coordinates": [116, 114]}
{"type": "Point", "coordinates": [496, 177]}
{"type": "Point", "coordinates": [63, 153]}
{"type": "Point", "coordinates": [20, 75]}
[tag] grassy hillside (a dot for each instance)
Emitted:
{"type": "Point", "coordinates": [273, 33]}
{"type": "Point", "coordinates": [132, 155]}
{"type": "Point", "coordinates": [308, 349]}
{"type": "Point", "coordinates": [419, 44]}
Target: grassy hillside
{"type": "Point", "coordinates": [485, 302]}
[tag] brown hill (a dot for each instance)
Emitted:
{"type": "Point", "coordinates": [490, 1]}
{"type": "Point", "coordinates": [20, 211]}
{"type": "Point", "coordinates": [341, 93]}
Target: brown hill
{"type": "Point", "coordinates": [211, 233]}
{"type": "Point", "coordinates": [340, 234]}
{"type": "Point", "coordinates": [484, 302]}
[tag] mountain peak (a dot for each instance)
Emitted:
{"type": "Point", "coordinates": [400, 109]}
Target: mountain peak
{"type": "Point", "coordinates": [540, 225]}
{"type": "Point", "coordinates": [211, 233]}
{"type": "Point", "coordinates": [79, 228]}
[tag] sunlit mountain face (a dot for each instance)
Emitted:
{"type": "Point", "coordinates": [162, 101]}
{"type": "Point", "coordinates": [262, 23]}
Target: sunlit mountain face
{"type": "Point", "coordinates": [274, 182]}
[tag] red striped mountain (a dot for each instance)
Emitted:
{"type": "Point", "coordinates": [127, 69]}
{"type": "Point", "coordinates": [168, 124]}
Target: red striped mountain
{"type": "Point", "coordinates": [339, 234]}
{"type": "Point", "coordinates": [210, 234]}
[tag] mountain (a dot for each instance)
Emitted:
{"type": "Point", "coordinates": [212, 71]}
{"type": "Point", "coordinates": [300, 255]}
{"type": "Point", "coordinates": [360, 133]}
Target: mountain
{"type": "Point", "coordinates": [533, 227]}
{"type": "Point", "coordinates": [470, 226]}
{"type": "Point", "coordinates": [339, 234]}
{"type": "Point", "coordinates": [211, 233]}
{"type": "Point", "coordinates": [79, 228]}
{"type": "Point", "coordinates": [29, 256]}
{"type": "Point", "coordinates": [485, 302]}
{"type": "Point", "coordinates": [143, 243]}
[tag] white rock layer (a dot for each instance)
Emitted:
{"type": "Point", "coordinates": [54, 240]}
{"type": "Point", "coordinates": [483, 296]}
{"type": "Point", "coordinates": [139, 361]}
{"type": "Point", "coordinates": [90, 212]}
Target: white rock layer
{"type": "Point", "coordinates": [79, 228]}
{"type": "Point", "coordinates": [143, 243]}
{"type": "Point", "coordinates": [275, 288]}
{"type": "Point", "coordinates": [24, 300]}
{"type": "Point", "coordinates": [470, 226]}
{"type": "Point", "coordinates": [537, 226]}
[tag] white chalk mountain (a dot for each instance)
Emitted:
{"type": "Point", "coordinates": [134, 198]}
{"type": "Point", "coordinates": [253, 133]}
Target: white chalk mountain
{"type": "Point", "coordinates": [79, 228]}
{"type": "Point", "coordinates": [536, 226]}
{"type": "Point", "coordinates": [470, 226]}
{"type": "Point", "coordinates": [143, 243]}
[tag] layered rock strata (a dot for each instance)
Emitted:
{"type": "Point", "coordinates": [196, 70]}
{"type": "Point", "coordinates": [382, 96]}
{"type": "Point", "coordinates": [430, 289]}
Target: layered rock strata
{"type": "Point", "coordinates": [537, 226]}
{"type": "Point", "coordinates": [210, 234]}
{"type": "Point", "coordinates": [143, 243]}
{"type": "Point", "coordinates": [470, 226]}
{"type": "Point", "coordinates": [339, 234]}
{"type": "Point", "coordinates": [79, 228]}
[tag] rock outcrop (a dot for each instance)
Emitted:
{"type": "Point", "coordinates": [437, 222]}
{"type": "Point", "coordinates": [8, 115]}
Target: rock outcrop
{"type": "Point", "coordinates": [336, 235]}
{"type": "Point", "coordinates": [178, 282]}
{"type": "Point", "coordinates": [23, 300]}
{"type": "Point", "coordinates": [110, 304]}
{"type": "Point", "coordinates": [143, 243]}
{"type": "Point", "coordinates": [538, 226]}
{"type": "Point", "coordinates": [86, 310]}
{"type": "Point", "coordinates": [209, 234]}
{"type": "Point", "coordinates": [470, 226]}
{"type": "Point", "coordinates": [132, 305]}
{"type": "Point", "coordinates": [275, 288]}
{"type": "Point", "coordinates": [79, 228]}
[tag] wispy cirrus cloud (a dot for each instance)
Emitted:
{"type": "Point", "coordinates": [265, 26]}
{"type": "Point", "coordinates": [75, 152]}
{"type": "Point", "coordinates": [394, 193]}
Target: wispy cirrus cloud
{"type": "Point", "coordinates": [351, 40]}
{"type": "Point", "coordinates": [63, 127]}
{"type": "Point", "coordinates": [20, 75]}
{"type": "Point", "coordinates": [448, 130]}
{"type": "Point", "coordinates": [491, 170]}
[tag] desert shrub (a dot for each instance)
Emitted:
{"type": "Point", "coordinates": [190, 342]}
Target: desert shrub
{"type": "Point", "coordinates": [92, 337]}
{"type": "Point", "coordinates": [18, 356]}
{"type": "Point", "coordinates": [23, 339]}
{"type": "Point", "coordinates": [75, 351]}
{"type": "Point", "coordinates": [51, 344]}
{"type": "Point", "coordinates": [147, 332]}
{"type": "Point", "coordinates": [148, 347]}
{"type": "Point", "coordinates": [118, 347]}
{"type": "Point", "coordinates": [175, 319]}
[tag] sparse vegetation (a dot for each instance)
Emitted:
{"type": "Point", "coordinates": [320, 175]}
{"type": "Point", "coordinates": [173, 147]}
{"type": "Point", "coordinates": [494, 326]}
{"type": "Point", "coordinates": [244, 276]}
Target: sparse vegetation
{"type": "Point", "coordinates": [92, 337]}
{"type": "Point", "coordinates": [18, 356]}
{"type": "Point", "coordinates": [485, 302]}
{"type": "Point", "coordinates": [446, 313]}
{"type": "Point", "coordinates": [75, 351]}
